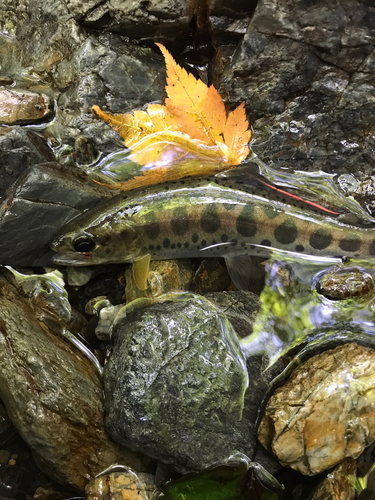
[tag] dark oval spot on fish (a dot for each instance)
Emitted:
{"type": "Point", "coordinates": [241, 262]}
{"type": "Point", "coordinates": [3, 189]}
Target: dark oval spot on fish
{"type": "Point", "coordinates": [350, 244]}
{"type": "Point", "coordinates": [210, 220]}
{"type": "Point", "coordinates": [287, 232]}
{"type": "Point", "coordinates": [180, 221]}
{"type": "Point", "coordinates": [266, 243]}
{"type": "Point", "coordinates": [166, 243]}
{"type": "Point", "coordinates": [152, 226]}
{"type": "Point", "coordinates": [245, 224]}
{"type": "Point", "coordinates": [320, 239]}
{"type": "Point", "coordinates": [300, 248]}
{"type": "Point", "coordinates": [194, 238]}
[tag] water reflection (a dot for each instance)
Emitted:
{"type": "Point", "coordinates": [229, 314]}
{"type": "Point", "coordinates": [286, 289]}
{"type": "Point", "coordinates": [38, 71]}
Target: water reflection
{"type": "Point", "coordinates": [301, 298]}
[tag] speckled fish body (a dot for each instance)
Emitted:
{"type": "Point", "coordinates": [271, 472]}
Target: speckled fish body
{"type": "Point", "coordinates": [196, 218]}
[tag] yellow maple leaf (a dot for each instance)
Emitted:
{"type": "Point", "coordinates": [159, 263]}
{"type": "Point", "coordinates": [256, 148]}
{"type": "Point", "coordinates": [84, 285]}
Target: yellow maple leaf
{"type": "Point", "coordinates": [190, 135]}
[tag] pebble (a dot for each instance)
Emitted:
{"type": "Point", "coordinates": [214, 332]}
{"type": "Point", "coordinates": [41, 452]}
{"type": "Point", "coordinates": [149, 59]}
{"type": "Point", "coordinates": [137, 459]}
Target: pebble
{"type": "Point", "coordinates": [347, 283]}
{"type": "Point", "coordinates": [126, 485]}
{"type": "Point", "coordinates": [22, 106]}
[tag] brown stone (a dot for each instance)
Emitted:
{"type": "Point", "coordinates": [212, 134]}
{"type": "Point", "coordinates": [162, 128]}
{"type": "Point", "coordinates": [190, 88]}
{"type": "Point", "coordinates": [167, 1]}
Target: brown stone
{"type": "Point", "coordinates": [346, 283]}
{"type": "Point", "coordinates": [339, 484]}
{"type": "Point", "coordinates": [325, 412]}
{"type": "Point", "coordinates": [164, 276]}
{"type": "Point", "coordinates": [22, 106]}
{"type": "Point", "coordinates": [53, 396]}
{"type": "Point", "coordinates": [122, 486]}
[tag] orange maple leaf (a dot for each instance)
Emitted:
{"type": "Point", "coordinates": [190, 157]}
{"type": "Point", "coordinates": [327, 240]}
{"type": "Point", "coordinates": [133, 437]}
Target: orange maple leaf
{"type": "Point", "coordinates": [190, 135]}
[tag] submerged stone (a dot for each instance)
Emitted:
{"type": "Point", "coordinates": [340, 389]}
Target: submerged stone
{"type": "Point", "coordinates": [339, 484]}
{"type": "Point", "coordinates": [176, 385]}
{"type": "Point", "coordinates": [19, 149]}
{"type": "Point", "coordinates": [126, 484]}
{"type": "Point", "coordinates": [53, 395]}
{"type": "Point", "coordinates": [347, 283]}
{"type": "Point", "coordinates": [237, 479]}
{"type": "Point", "coordinates": [18, 106]}
{"type": "Point", "coordinates": [325, 412]}
{"type": "Point", "coordinates": [44, 198]}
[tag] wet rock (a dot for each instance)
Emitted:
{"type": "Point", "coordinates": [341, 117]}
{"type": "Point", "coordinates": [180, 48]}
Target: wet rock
{"type": "Point", "coordinates": [122, 485]}
{"type": "Point", "coordinates": [20, 148]}
{"type": "Point", "coordinates": [339, 484]}
{"type": "Point", "coordinates": [346, 283]}
{"type": "Point", "coordinates": [163, 277]}
{"type": "Point", "coordinates": [7, 432]}
{"type": "Point", "coordinates": [50, 493]}
{"type": "Point", "coordinates": [85, 152]}
{"type": "Point", "coordinates": [365, 193]}
{"type": "Point", "coordinates": [4, 456]}
{"type": "Point", "coordinates": [325, 412]}
{"type": "Point", "coordinates": [116, 76]}
{"type": "Point", "coordinates": [307, 70]}
{"type": "Point", "coordinates": [21, 106]}
{"type": "Point", "coordinates": [175, 274]}
{"type": "Point", "coordinates": [79, 69]}
{"type": "Point", "coordinates": [237, 478]}
{"type": "Point", "coordinates": [154, 21]}
{"type": "Point", "coordinates": [14, 480]}
{"type": "Point", "coordinates": [348, 183]}
{"type": "Point", "coordinates": [176, 382]}
{"type": "Point", "coordinates": [52, 394]}
{"type": "Point", "coordinates": [229, 20]}
{"type": "Point", "coordinates": [240, 307]}
{"type": "Point", "coordinates": [38, 204]}
{"type": "Point", "coordinates": [5, 80]}
{"type": "Point", "coordinates": [211, 276]}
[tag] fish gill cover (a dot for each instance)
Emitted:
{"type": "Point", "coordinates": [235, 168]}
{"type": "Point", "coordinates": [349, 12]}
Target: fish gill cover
{"type": "Point", "coordinates": [190, 135]}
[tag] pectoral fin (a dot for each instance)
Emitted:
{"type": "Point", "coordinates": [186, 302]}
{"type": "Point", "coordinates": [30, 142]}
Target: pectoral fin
{"type": "Point", "coordinates": [241, 269]}
{"type": "Point", "coordinates": [140, 271]}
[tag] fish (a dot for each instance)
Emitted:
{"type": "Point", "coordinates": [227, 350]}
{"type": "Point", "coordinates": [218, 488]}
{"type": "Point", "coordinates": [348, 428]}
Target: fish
{"type": "Point", "coordinates": [204, 217]}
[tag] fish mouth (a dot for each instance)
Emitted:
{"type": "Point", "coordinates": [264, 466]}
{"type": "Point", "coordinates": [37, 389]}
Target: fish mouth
{"type": "Point", "coordinates": [72, 260]}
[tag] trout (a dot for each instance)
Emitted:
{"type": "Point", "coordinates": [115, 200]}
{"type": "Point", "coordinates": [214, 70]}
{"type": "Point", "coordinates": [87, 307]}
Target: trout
{"type": "Point", "coordinates": [200, 218]}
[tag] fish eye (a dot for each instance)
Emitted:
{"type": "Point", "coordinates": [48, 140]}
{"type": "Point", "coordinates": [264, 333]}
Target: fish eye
{"type": "Point", "coordinates": [84, 244]}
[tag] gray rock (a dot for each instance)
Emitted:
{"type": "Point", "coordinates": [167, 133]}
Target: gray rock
{"type": "Point", "coordinates": [306, 73]}
{"type": "Point", "coordinates": [49, 51]}
{"type": "Point", "coordinates": [20, 148]}
{"type": "Point", "coordinates": [240, 307]}
{"type": "Point", "coordinates": [175, 385]}
{"type": "Point", "coordinates": [52, 394]}
{"type": "Point", "coordinates": [43, 199]}
{"type": "Point", "coordinates": [155, 21]}
{"type": "Point", "coordinates": [117, 77]}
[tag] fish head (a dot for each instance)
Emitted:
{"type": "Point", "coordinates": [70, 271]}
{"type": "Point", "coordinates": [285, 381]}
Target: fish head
{"type": "Point", "coordinates": [101, 241]}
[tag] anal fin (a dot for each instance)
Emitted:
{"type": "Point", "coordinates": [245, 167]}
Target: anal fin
{"type": "Point", "coordinates": [140, 271]}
